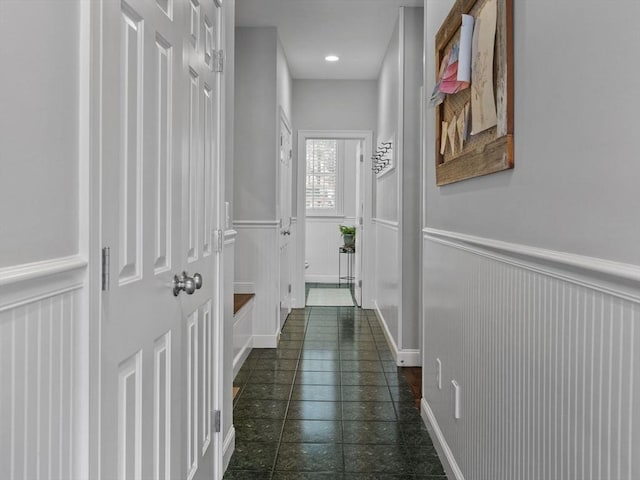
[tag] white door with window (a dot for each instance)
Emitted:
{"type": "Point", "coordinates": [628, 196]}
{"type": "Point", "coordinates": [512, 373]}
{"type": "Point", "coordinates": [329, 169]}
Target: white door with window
{"type": "Point", "coordinates": [357, 281]}
{"type": "Point", "coordinates": [284, 208]}
{"type": "Point", "coordinates": [159, 337]}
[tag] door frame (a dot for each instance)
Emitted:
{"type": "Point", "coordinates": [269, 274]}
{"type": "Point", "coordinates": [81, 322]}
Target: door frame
{"type": "Point", "coordinates": [283, 119]}
{"type": "Point", "coordinates": [88, 430]}
{"type": "Point", "coordinates": [93, 218]}
{"type": "Point", "coordinates": [365, 136]}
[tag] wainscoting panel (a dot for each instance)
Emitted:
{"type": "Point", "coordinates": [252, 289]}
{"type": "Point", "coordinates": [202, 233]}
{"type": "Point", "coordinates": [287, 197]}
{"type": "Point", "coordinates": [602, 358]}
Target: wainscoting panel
{"type": "Point", "coordinates": [546, 359]}
{"type": "Point", "coordinates": [228, 353]}
{"type": "Point", "coordinates": [387, 288]}
{"type": "Point", "coordinates": [38, 328]}
{"type": "Point", "coordinates": [257, 262]}
{"type": "Point", "coordinates": [322, 240]}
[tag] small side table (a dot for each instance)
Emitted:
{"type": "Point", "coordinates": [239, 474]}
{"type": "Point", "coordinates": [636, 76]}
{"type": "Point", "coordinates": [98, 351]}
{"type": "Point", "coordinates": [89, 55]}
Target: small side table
{"type": "Point", "coordinates": [349, 254]}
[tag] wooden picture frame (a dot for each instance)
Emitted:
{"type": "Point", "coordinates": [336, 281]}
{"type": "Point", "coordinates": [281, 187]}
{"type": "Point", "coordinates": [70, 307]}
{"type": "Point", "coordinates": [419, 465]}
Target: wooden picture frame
{"type": "Point", "coordinates": [492, 150]}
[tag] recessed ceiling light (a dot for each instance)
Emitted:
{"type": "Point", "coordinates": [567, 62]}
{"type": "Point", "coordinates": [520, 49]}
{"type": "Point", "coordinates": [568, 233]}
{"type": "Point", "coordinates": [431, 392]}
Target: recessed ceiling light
{"type": "Point", "coordinates": [332, 58]}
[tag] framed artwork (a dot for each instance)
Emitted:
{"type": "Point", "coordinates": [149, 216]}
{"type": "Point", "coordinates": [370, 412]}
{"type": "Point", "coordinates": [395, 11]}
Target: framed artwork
{"type": "Point", "coordinates": [473, 98]}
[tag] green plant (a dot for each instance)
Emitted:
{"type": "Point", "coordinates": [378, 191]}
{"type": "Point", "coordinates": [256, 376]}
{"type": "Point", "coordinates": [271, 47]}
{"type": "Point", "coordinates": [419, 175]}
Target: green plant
{"type": "Point", "coordinates": [347, 229]}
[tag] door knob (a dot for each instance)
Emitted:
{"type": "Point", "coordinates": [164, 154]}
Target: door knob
{"type": "Point", "coordinates": [184, 282]}
{"type": "Point", "coordinates": [197, 278]}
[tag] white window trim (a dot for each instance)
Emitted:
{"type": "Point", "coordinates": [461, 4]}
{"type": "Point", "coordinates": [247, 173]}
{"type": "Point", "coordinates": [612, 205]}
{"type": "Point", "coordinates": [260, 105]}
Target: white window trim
{"type": "Point", "coordinates": [337, 212]}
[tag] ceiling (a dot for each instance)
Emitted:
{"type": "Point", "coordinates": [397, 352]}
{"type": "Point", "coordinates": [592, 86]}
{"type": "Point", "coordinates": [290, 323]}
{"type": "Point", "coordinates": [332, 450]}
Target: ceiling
{"type": "Point", "coordinates": [358, 31]}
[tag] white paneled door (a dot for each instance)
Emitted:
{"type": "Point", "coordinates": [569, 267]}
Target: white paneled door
{"type": "Point", "coordinates": [160, 337]}
{"type": "Point", "coordinates": [285, 208]}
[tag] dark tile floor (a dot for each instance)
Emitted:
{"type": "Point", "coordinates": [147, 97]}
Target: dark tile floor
{"type": "Point", "coordinates": [329, 403]}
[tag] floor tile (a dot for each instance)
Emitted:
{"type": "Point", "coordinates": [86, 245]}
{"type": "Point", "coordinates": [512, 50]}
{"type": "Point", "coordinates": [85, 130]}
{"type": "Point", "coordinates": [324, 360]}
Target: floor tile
{"type": "Point", "coordinates": [258, 430]}
{"type": "Point", "coordinates": [254, 408]}
{"type": "Point", "coordinates": [394, 459]}
{"type": "Point", "coordinates": [394, 378]}
{"type": "Point", "coordinates": [415, 433]}
{"type": "Point", "coordinates": [360, 366]}
{"type": "Point", "coordinates": [363, 378]}
{"type": "Point", "coordinates": [407, 412]}
{"type": "Point", "coordinates": [309, 410]}
{"type": "Point", "coordinates": [378, 476]}
{"type": "Point", "coordinates": [350, 413]}
{"type": "Point", "coordinates": [291, 344]}
{"type": "Point", "coordinates": [358, 346]}
{"type": "Point", "coordinates": [310, 457]}
{"type": "Point", "coordinates": [253, 456]}
{"type": "Point", "coordinates": [284, 353]}
{"type": "Point", "coordinates": [401, 393]}
{"type": "Point", "coordinates": [320, 345]}
{"type": "Point", "coordinates": [359, 355]}
{"type": "Point", "coordinates": [320, 354]}
{"type": "Point", "coordinates": [426, 461]}
{"type": "Point", "coordinates": [365, 393]}
{"type": "Point", "coordinates": [307, 476]}
{"type": "Point", "coordinates": [312, 431]}
{"type": "Point", "coordinates": [266, 391]}
{"type": "Point", "coordinates": [310, 365]}
{"type": "Point", "coordinates": [246, 475]}
{"type": "Point", "coordinates": [382, 411]}
{"type": "Point", "coordinates": [276, 364]}
{"type": "Point", "coordinates": [371, 432]}
{"type": "Point", "coordinates": [288, 335]}
{"type": "Point", "coordinates": [325, 393]}
{"type": "Point", "coordinates": [318, 378]}
{"type": "Point", "coordinates": [272, 376]}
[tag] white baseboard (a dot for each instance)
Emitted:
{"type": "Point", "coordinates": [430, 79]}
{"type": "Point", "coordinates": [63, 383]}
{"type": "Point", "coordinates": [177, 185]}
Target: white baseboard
{"type": "Point", "coordinates": [409, 358]}
{"type": "Point", "coordinates": [266, 341]}
{"type": "Point", "coordinates": [449, 463]}
{"type": "Point", "coordinates": [242, 355]}
{"type": "Point", "coordinates": [228, 447]}
{"type": "Point", "coordinates": [402, 357]}
{"type": "Point", "coordinates": [390, 341]}
{"type": "Point", "coordinates": [244, 287]}
{"type": "Point", "coordinates": [318, 278]}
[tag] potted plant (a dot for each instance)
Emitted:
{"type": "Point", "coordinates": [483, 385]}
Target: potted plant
{"type": "Point", "coordinates": [348, 235]}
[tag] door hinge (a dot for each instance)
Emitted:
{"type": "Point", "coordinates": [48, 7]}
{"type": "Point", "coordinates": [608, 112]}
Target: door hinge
{"type": "Point", "coordinates": [289, 288]}
{"type": "Point", "coordinates": [360, 221]}
{"type": "Point", "coordinates": [106, 265]}
{"type": "Point", "coordinates": [216, 421]}
{"type": "Point", "coordinates": [218, 240]}
{"type": "Point", "coordinates": [360, 283]}
{"type": "Point", "coordinates": [218, 61]}
{"type": "Point", "coordinates": [361, 157]}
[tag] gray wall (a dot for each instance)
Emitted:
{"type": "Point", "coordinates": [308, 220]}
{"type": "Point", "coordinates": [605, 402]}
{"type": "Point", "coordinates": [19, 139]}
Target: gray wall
{"type": "Point", "coordinates": [575, 183]}
{"type": "Point", "coordinates": [410, 208]}
{"type": "Point", "coordinates": [38, 131]}
{"type": "Point", "coordinates": [255, 124]}
{"type": "Point", "coordinates": [284, 83]}
{"type": "Point", "coordinates": [397, 192]}
{"type": "Point", "coordinates": [332, 105]}
{"type": "Point", "coordinates": [497, 318]}
{"type": "Point", "coordinates": [386, 206]}
{"type": "Point", "coordinates": [229, 85]}
{"type": "Point", "coordinates": [228, 258]}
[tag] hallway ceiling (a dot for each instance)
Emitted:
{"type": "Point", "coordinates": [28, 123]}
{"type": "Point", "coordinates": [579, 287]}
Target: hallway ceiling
{"type": "Point", "coordinates": [358, 31]}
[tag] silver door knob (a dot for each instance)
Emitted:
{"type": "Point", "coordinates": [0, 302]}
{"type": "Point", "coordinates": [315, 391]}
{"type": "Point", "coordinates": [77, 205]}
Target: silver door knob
{"type": "Point", "coordinates": [197, 278]}
{"type": "Point", "coordinates": [184, 282]}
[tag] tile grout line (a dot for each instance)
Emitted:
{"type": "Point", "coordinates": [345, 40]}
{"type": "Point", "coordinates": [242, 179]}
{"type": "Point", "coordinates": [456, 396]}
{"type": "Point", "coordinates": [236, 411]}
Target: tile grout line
{"type": "Point", "coordinates": [293, 383]}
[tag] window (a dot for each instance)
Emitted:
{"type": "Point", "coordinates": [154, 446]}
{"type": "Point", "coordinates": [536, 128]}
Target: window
{"type": "Point", "coordinates": [324, 179]}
